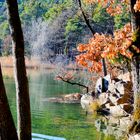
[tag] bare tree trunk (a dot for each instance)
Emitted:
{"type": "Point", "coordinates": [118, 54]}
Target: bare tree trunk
{"type": "Point", "coordinates": [104, 68]}
{"type": "Point", "coordinates": [85, 18]}
{"type": "Point", "coordinates": [22, 90]}
{"type": "Point", "coordinates": [93, 32]}
{"type": "Point", "coordinates": [7, 127]}
{"type": "Point", "coordinates": [135, 17]}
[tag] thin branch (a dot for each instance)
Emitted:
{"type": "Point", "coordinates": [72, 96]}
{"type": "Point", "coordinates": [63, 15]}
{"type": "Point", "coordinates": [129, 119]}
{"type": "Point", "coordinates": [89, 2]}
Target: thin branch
{"type": "Point", "coordinates": [85, 18]}
{"type": "Point", "coordinates": [73, 83]}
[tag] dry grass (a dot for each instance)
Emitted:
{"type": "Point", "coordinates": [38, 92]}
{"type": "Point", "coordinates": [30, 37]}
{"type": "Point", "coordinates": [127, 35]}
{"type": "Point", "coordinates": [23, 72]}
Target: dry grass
{"type": "Point", "coordinates": [33, 63]}
{"type": "Point", "coordinates": [8, 72]}
{"type": "Point", "coordinates": [95, 105]}
{"type": "Point", "coordinates": [6, 61]}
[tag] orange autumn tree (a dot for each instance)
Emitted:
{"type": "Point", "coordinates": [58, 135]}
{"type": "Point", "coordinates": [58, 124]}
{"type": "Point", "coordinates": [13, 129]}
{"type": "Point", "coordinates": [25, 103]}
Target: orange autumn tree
{"type": "Point", "coordinates": [125, 41]}
{"type": "Point", "coordinates": [106, 45]}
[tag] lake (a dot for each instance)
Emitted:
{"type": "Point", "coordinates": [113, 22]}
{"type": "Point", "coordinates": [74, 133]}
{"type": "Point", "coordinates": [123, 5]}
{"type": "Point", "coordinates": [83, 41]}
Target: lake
{"type": "Point", "coordinates": [54, 121]}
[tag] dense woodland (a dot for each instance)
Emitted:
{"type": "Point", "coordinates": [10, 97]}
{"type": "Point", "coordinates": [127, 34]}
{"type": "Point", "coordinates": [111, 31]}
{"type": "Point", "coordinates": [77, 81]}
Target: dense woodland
{"type": "Point", "coordinates": [63, 25]}
{"type": "Point", "coordinates": [99, 35]}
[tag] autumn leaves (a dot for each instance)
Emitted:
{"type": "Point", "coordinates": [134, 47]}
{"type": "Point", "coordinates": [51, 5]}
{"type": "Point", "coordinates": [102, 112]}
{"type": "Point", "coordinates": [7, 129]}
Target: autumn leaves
{"type": "Point", "coordinates": [106, 45]}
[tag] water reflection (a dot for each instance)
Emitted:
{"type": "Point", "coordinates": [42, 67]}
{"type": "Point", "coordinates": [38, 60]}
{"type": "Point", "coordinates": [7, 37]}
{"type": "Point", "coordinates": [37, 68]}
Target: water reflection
{"type": "Point", "coordinates": [65, 121]}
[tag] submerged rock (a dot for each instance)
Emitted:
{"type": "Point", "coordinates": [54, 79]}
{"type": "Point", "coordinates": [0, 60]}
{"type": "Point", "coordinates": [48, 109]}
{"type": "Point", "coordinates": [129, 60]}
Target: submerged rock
{"type": "Point", "coordinates": [76, 96]}
{"type": "Point", "coordinates": [69, 98]}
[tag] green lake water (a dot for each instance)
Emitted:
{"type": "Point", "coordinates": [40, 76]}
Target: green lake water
{"type": "Point", "coordinates": [62, 121]}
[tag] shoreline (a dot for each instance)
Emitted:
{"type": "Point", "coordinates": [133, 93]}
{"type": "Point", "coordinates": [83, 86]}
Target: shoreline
{"type": "Point", "coordinates": [34, 63]}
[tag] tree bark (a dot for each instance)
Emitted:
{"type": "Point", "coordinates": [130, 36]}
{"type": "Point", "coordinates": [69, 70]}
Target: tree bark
{"type": "Point", "coordinates": [22, 90]}
{"type": "Point", "coordinates": [135, 20]}
{"type": "Point", "coordinates": [85, 18]}
{"type": "Point", "coordinates": [104, 68]}
{"type": "Point", "coordinates": [7, 127]}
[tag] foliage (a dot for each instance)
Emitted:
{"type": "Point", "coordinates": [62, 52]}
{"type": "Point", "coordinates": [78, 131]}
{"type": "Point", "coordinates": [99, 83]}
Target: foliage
{"type": "Point", "coordinates": [105, 45]}
{"type": "Point", "coordinates": [122, 18]}
{"type": "Point", "coordinates": [73, 24]}
{"type": "Point", "coordinates": [137, 6]}
{"type": "Point", "coordinates": [73, 29]}
{"type": "Point", "coordinates": [4, 28]}
{"type": "Point", "coordinates": [100, 15]}
{"type": "Point", "coordinates": [56, 10]}
{"type": "Point", "coordinates": [115, 6]}
{"type": "Point", "coordinates": [32, 10]}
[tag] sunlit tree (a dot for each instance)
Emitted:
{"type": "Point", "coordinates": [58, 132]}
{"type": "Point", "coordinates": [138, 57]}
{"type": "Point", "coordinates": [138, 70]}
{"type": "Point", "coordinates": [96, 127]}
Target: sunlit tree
{"type": "Point", "coordinates": [22, 90]}
{"type": "Point", "coordinates": [124, 41]}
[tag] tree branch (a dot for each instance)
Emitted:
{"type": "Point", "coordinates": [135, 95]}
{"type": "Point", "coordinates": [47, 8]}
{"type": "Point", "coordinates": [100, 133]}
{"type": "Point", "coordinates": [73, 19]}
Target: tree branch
{"type": "Point", "coordinates": [73, 83]}
{"type": "Point", "coordinates": [85, 18]}
{"type": "Point", "coordinates": [93, 32]}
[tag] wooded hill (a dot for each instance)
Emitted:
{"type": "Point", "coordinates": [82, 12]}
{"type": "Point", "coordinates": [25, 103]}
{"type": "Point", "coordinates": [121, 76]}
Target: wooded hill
{"type": "Point", "coordinates": [64, 22]}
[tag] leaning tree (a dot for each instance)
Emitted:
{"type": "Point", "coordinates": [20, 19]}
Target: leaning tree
{"type": "Point", "coordinates": [22, 90]}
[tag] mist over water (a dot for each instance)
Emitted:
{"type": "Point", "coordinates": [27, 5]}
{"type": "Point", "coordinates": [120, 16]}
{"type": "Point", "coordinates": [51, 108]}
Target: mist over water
{"type": "Point", "coordinates": [47, 39]}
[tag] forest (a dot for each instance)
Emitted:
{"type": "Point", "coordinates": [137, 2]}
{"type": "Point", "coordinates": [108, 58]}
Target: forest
{"type": "Point", "coordinates": [57, 17]}
{"type": "Point", "coordinates": [70, 69]}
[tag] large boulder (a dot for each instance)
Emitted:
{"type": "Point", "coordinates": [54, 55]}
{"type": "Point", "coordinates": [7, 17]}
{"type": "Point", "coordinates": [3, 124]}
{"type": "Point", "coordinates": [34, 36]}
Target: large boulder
{"type": "Point", "coordinates": [86, 101]}
{"type": "Point", "coordinates": [98, 86]}
{"type": "Point", "coordinates": [116, 87]}
{"type": "Point", "coordinates": [127, 96]}
{"type": "Point", "coordinates": [103, 98]}
{"type": "Point", "coordinates": [102, 82]}
{"type": "Point", "coordinates": [117, 111]}
{"type": "Point", "coordinates": [125, 77]}
{"type": "Point", "coordinates": [119, 98]}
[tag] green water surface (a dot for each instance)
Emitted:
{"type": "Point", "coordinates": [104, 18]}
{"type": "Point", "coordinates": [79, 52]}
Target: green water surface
{"type": "Point", "coordinates": [61, 120]}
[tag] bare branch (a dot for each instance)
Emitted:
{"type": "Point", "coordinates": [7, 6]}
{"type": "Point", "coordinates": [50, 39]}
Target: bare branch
{"type": "Point", "coordinates": [85, 18]}
{"type": "Point", "coordinates": [73, 83]}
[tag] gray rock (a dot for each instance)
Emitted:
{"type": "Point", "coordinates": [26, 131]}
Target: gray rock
{"type": "Point", "coordinates": [98, 86]}
{"type": "Point", "coordinates": [117, 111]}
{"type": "Point", "coordinates": [86, 101]}
{"type": "Point", "coordinates": [103, 98]}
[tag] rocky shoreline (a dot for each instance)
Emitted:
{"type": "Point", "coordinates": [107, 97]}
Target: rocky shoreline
{"type": "Point", "coordinates": [115, 105]}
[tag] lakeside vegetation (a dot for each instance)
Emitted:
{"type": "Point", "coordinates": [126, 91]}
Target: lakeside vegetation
{"type": "Point", "coordinates": [99, 38]}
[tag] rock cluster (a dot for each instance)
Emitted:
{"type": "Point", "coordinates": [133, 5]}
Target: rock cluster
{"type": "Point", "coordinates": [118, 98]}
{"type": "Point", "coordinates": [117, 101]}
